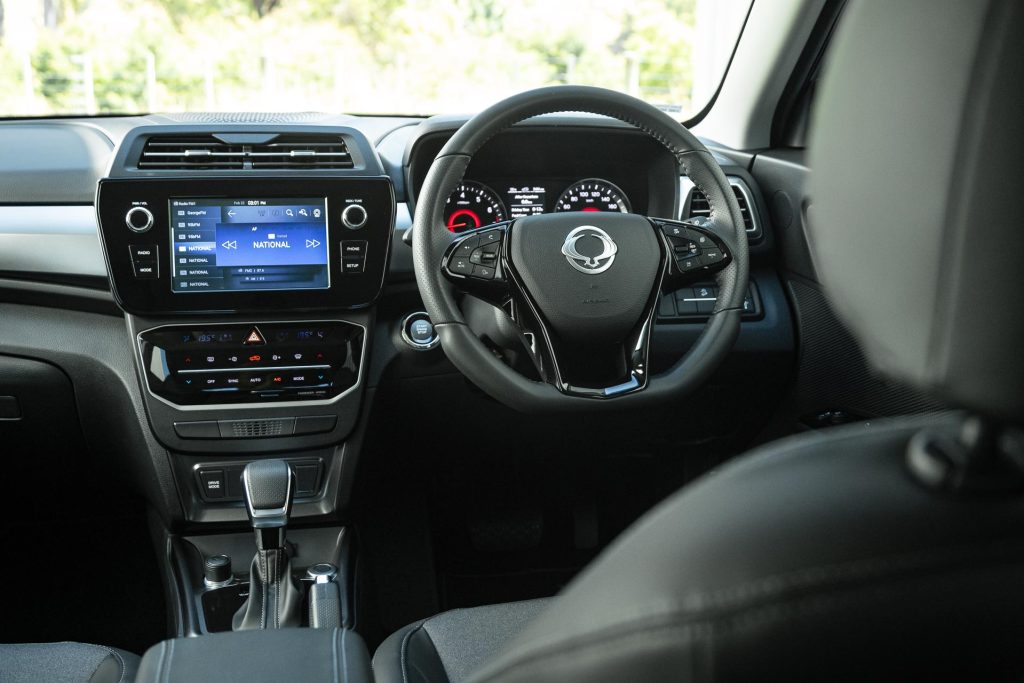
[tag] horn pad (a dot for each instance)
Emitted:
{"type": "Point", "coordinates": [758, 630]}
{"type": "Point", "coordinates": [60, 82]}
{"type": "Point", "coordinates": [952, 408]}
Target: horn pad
{"type": "Point", "coordinates": [590, 274]}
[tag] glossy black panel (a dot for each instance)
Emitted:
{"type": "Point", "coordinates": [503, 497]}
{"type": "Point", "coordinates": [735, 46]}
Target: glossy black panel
{"type": "Point", "coordinates": [251, 363]}
{"type": "Point", "coordinates": [143, 285]}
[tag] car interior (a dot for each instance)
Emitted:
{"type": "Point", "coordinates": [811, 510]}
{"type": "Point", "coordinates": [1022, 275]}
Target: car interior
{"type": "Point", "coordinates": [569, 387]}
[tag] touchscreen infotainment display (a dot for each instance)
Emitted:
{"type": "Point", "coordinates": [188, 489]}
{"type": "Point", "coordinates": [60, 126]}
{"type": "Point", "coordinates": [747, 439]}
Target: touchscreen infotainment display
{"type": "Point", "coordinates": [235, 245]}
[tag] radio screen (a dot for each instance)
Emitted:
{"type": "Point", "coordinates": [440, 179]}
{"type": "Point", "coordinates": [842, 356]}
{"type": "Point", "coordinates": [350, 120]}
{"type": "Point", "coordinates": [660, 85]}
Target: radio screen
{"type": "Point", "coordinates": [236, 245]}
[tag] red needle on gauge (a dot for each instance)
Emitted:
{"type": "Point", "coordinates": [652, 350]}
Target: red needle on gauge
{"type": "Point", "coordinates": [454, 224]}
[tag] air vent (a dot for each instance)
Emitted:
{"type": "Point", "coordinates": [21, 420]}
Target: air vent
{"type": "Point", "coordinates": [202, 152]}
{"type": "Point", "coordinates": [208, 153]}
{"type": "Point", "coordinates": [301, 151]}
{"type": "Point", "coordinates": [698, 205]}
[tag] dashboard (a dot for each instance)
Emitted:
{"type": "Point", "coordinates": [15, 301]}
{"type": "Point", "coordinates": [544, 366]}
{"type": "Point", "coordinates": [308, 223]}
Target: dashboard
{"type": "Point", "coordinates": [266, 290]}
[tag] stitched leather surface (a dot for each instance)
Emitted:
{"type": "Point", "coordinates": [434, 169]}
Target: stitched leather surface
{"type": "Point", "coordinates": [309, 655]}
{"type": "Point", "coordinates": [817, 558]}
{"type": "Point", "coordinates": [274, 600]}
{"type": "Point", "coordinates": [431, 239]}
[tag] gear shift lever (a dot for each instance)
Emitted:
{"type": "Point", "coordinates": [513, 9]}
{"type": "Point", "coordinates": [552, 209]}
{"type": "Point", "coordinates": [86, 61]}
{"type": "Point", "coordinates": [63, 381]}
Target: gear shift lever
{"type": "Point", "coordinates": [274, 600]}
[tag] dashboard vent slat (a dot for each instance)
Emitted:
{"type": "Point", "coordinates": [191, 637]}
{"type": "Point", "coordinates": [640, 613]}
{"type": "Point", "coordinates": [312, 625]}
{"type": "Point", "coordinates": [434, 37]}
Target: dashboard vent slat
{"type": "Point", "coordinates": [699, 207]}
{"type": "Point", "coordinates": [203, 152]}
{"type": "Point", "coordinates": [300, 151]}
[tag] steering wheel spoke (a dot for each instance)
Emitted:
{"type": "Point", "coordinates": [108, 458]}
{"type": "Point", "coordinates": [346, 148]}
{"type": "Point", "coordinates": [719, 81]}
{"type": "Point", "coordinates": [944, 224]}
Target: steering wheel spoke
{"type": "Point", "coordinates": [476, 263]}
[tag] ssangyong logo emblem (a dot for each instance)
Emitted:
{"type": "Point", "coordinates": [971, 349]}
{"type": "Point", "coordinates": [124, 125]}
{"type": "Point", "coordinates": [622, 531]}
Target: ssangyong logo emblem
{"type": "Point", "coordinates": [591, 265]}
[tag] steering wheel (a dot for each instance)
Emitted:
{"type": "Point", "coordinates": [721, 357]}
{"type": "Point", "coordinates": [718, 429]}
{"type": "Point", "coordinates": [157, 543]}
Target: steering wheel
{"type": "Point", "coordinates": [581, 289]}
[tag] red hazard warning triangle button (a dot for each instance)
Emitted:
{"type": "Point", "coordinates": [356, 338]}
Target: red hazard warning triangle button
{"type": "Point", "coordinates": [254, 337]}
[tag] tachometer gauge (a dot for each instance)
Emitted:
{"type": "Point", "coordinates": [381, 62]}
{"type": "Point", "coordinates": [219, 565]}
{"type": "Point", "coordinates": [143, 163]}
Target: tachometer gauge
{"type": "Point", "coordinates": [593, 194]}
{"type": "Point", "coordinates": [473, 205]}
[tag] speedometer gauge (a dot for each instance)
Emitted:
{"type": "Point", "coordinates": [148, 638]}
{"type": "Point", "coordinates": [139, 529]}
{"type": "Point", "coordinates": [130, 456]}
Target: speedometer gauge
{"type": "Point", "coordinates": [593, 194]}
{"type": "Point", "coordinates": [473, 205]}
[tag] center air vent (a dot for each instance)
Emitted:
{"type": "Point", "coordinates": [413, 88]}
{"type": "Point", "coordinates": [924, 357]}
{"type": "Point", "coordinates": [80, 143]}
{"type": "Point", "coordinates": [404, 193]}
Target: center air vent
{"type": "Point", "coordinates": [201, 152]}
{"type": "Point", "coordinates": [207, 152]}
{"type": "Point", "coordinates": [698, 204]}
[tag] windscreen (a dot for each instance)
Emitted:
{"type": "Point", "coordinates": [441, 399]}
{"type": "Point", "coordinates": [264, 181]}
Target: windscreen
{"type": "Point", "coordinates": [415, 57]}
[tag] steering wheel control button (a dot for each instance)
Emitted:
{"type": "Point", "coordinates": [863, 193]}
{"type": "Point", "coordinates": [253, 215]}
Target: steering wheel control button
{"type": "Point", "coordinates": [139, 219]}
{"type": "Point", "coordinates": [485, 256]}
{"type": "Point", "coordinates": [712, 256]}
{"type": "Point", "coordinates": [483, 272]}
{"type": "Point", "coordinates": [466, 247]}
{"type": "Point", "coordinates": [354, 216]}
{"type": "Point", "coordinates": [460, 265]}
{"type": "Point", "coordinates": [491, 237]}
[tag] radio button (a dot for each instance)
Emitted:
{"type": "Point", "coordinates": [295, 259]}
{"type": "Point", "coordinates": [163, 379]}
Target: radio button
{"type": "Point", "coordinates": [138, 219]}
{"type": "Point", "coordinates": [144, 252]}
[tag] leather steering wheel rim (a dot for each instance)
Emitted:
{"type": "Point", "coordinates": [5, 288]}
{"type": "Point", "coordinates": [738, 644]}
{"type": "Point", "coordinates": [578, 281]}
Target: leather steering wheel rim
{"type": "Point", "coordinates": [431, 239]}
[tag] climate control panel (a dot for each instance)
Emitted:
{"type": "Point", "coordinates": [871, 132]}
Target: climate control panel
{"type": "Point", "coordinates": [258, 362]}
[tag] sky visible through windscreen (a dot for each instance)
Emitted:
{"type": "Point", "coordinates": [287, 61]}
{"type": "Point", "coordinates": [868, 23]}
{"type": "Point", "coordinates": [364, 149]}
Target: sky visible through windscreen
{"type": "Point", "coordinates": [355, 56]}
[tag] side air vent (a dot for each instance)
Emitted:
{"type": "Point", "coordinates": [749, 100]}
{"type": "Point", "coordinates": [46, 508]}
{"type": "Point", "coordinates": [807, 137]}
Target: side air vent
{"type": "Point", "coordinates": [209, 153]}
{"type": "Point", "coordinates": [696, 204]}
{"type": "Point", "coordinates": [197, 152]}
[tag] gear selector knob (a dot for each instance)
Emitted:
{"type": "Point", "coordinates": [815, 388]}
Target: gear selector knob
{"type": "Point", "coordinates": [269, 488]}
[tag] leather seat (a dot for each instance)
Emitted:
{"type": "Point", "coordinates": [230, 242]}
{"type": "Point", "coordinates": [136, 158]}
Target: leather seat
{"type": "Point", "coordinates": [887, 550]}
{"type": "Point", "coordinates": [66, 663]}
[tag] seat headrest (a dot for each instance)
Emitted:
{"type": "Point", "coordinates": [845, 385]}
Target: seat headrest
{"type": "Point", "coordinates": [917, 229]}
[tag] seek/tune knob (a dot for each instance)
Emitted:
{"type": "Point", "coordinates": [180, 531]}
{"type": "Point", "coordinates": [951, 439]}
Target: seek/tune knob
{"type": "Point", "coordinates": [139, 219]}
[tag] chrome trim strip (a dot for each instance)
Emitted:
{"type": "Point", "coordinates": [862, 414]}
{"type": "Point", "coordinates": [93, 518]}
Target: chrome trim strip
{"type": "Point", "coordinates": [253, 368]}
{"type": "Point", "coordinates": [256, 406]}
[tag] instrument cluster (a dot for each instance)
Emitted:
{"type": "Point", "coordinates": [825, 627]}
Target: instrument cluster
{"type": "Point", "coordinates": [474, 204]}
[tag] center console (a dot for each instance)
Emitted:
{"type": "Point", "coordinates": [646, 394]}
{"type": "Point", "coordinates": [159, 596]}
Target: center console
{"type": "Point", "coordinates": [248, 259]}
